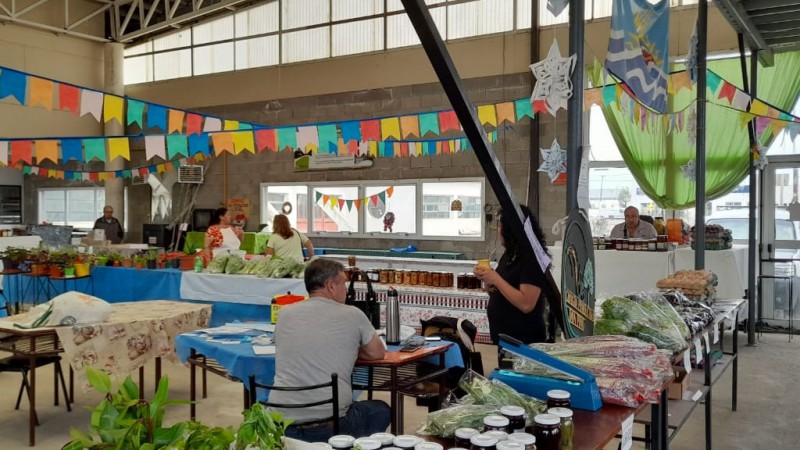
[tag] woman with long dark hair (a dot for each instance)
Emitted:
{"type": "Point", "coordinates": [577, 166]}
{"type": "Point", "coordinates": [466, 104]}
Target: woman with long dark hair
{"type": "Point", "coordinates": [516, 302]}
{"type": "Point", "coordinates": [221, 234]}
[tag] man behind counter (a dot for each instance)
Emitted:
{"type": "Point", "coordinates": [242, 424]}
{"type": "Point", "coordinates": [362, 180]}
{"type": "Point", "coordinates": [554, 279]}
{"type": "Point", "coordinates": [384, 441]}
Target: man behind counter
{"type": "Point", "coordinates": [633, 227]}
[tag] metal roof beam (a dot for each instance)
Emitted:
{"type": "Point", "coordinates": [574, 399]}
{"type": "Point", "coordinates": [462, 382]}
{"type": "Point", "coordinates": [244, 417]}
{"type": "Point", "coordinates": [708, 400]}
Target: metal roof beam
{"type": "Point", "coordinates": [775, 15]}
{"type": "Point", "coordinates": [750, 5]}
{"type": "Point", "coordinates": [740, 21]}
{"type": "Point", "coordinates": [789, 25]}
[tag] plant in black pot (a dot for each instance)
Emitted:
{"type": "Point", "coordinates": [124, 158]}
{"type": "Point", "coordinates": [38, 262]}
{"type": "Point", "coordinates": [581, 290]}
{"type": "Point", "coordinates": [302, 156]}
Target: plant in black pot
{"type": "Point", "coordinates": [13, 256]}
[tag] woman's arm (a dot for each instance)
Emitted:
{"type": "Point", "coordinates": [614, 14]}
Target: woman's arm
{"type": "Point", "coordinates": [310, 248]}
{"type": "Point", "coordinates": [269, 251]}
{"type": "Point", "coordinates": [239, 232]}
{"type": "Point", "coordinates": [524, 299]}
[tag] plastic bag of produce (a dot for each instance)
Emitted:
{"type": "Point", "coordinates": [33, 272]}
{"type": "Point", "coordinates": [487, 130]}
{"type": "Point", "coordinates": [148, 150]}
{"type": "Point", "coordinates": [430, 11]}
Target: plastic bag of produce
{"type": "Point", "coordinates": [655, 302]}
{"type": "Point", "coordinates": [696, 315]}
{"type": "Point", "coordinates": [234, 265]}
{"type": "Point", "coordinates": [649, 323]}
{"type": "Point", "coordinates": [445, 422]}
{"type": "Point", "coordinates": [483, 391]}
{"type": "Point", "coordinates": [217, 265]}
{"type": "Point", "coordinates": [284, 268]}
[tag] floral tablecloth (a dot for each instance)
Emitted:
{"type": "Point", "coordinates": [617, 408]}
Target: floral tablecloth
{"type": "Point", "coordinates": [135, 333]}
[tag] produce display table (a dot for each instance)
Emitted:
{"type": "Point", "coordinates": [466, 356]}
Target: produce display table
{"type": "Point", "coordinates": [729, 265]}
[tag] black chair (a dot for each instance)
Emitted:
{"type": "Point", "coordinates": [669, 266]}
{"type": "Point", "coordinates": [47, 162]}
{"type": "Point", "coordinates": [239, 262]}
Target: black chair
{"type": "Point", "coordinates": [333, 399]}
{"type": "Point", "coordinates": [22, 365]}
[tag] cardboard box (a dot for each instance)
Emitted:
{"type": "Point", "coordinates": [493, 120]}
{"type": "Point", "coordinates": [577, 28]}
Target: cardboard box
{"type": "Point", "coordinates": [679, 385]}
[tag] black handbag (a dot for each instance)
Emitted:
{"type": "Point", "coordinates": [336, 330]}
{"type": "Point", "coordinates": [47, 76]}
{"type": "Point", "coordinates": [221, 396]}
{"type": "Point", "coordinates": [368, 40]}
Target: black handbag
{"type": "Point", "coordinates": [370, 306]}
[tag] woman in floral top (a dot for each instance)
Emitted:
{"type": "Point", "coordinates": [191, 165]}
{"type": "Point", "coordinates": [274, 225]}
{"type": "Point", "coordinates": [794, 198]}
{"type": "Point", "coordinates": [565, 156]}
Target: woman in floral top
{"type": "Point", "coordinates": [221, 234]}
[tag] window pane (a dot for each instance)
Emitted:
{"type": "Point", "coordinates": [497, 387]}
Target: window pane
{"type": "Point", "coordinates": [274, 199]}
{"type": "Point", "coordinates": [358, 37]}
{"type": "Point", "coordinates": [480, 17]}
{"type": "Point", "coordinates": [604, 148]}
{"type": "Point", "coordinates": [400, 32]}
{"type": "Point", "coordinates": [213, 58]}
{"type": "Point", "coordinates": [182, 38]}
{"type": "Point", "coordinates": [602, 8]}
{"type": "Point", "coordinates": [438, 220]}
{"type": "Point", "coordinates": [216, 30]}
{"type": "Point", "coordinates": [353, 9]}
{"type": "Point", "coordinates": [173, 64]}
{"type": "Point", "coordinates": [138, 49]}
{"type": "Point", "coordinates": [524, 8]}
{"type": "Point", "coordinates": [138, 69]}
{"type": "Point", "coordinates": [259, 20]}
{"type": "Point", "coordinates": [82, 209]}
{"type": "Point", "coordinates": [611, 190]}
{"type": "Point", "coordinates": [335, 218]}
{"type": "Point", "coordinates": [257, 52]}
{"type": "Point", "coordinates": [397, 215]}
{"type": "Point", "coordinates": [302, 13]}
{"type": "Point", "coordinates": [52, 207]}
{"type": "Point", "coordinates": [305, 45]}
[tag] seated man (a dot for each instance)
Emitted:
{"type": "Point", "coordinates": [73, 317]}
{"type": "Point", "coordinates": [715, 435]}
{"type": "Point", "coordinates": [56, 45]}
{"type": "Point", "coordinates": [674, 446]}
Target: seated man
{"type": "Point", "coordinates": [315, 338]}
{"type": "Point", "coordinates": [633, 227]}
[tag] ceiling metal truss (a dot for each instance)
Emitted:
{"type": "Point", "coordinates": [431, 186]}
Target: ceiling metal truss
{"type": "Point", "coordinates": [76, 13]}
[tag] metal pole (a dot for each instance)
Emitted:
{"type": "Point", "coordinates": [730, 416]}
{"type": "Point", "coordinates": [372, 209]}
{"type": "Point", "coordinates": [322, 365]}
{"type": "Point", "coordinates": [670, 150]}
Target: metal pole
{"type": "Point", "coordinates": [533, 173]}
{"type": "Point", "coordinates": [752, 250]}
{"type": "Point", "coordinates": [700, 147]}
{"type": "Point", "coordinates": [575, 103]}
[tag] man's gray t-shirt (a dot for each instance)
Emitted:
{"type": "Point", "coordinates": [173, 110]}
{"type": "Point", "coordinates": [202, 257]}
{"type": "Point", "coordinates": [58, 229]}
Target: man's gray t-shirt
{"type": "Point", "coordinates": [315, 338]}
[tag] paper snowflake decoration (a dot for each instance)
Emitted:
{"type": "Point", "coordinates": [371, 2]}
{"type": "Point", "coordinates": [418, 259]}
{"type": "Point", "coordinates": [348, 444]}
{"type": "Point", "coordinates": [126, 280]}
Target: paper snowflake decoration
{"type": "Point", "coordinates": [689, 170]}
{"type": "Point", "coordinates": [760, 160]}
{"type": "Point", "coordinates": [553, 85]}
{"type": "Point", "coordinates": [691, 58]}
{"type": "Point", "coordinates": [554, 161]}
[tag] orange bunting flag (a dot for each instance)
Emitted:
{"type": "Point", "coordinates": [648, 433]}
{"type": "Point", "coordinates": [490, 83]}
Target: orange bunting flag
{"type": "Point", "coordinates": [505, 113]}
{"type": "Point", "coordinates": [681, 81]}
{"type": "Point", "coordinates": [592, 97]}
{"type": "Point", "coordinates": [487, 115]}
{"type": "Point", "coordinates": [46, 150]}
{"type": "Point", "coordinates": [409, 126]}
{"type": "Point", "coordinates": [175, 121]}
{"type": "Point", "coordinates": [358, 205]}
{"type": "Point", "coordinates": [112, 108]}
{"type": "Point", "coordinates": [325, 199]}
{"type": "Point", "coordinates": [119, 146]}
{"type": "Point", "coordinates": [20, 151]}
{"type": "Point", "coordinates": [390, 191]}
{"type": "Point", "coordinates": [223, 142]}
{"type": "Point", "coordinates": [41, 92]}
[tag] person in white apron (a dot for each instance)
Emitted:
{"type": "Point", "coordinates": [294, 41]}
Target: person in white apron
{"type": "Point", "coordinates": [221, 234]}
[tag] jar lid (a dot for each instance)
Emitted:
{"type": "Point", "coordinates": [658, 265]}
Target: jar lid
{"type": "Point", "coordinates": [558, 394]}
{"type": "Point", "coordinates": [367, 443]}
{"type": "Point", "coordinates": [406, 441]}
{"type": "Point", "coordinates": [560, 412]}
{"type": "Point", "coordinates": [495, 421]}
{"type": "Point", "coordinates": [385, 438]}
{"type": "Point", "coordinates": [466, 433]}
{"type": "Point", "coordinates": [547, 419]}
{"type": "Point", "coordinates": [341, 441]}
{"type": "Point", "coordinates": [510, 445]}
{"type": "Point", "coordinates": [428, 446]}
{"type": "Point", "coordinates": [522, 438]}
{"type": "Point", "coordinates": [512, 410]}
{"type": "Point", "coordinates": [483, 440]}
{"type": "Point", "coordinates": [500, 435]}
{"type": "Point", "coordinates": [322, 445]}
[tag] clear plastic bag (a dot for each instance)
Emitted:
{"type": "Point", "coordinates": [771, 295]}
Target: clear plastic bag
{"type": "Point", "coordinates": [483, 391]}
{"type": "Point", "coordinates": [648, 321]}
{"type": "Point", "coordinates": [445, 422]}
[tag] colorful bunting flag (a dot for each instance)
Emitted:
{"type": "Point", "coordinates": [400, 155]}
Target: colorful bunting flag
{"type": "Point", "coordinates": [428, 123]}
{"type": "Point", "coordinates": [390, 128]}
{"type": "Point", "coordinates": [112, 108]}
{"type": "Point", "coordinates": [223, 142]}
{"type": "Point", "coordinates": [91, 103]}
{"type": "Point", "coordinates": [231, 125]}
{"type": "Point", "coordinates": [351, 131]}
{"type": "Point", "coordinates": [505, 113]}
{"type": "Point", "coordinates": [409, 126]}
{"type": "Point", "coordinates": [198, 144]}
{"type": "Point", "coordinates": [177, 145]}
{"type": "Point", "coordinates": [487, 115]}
{"type": "Point", "coordinates": [212, 124]}
{"type": "Point", "coordinates": [3, 153]}
{"type": "Point", "coordinates": [135, 112]}
{"type": "Point", "coordinates": [71, 149]}
{"type": "Point", "coordinates": [119, 147]}
{"type": "Point", "coordinates": [307, 138]}
{"type": "Point", "coordinates": [523, 108]}
{"type": "Point", "coordinates": [265, 139]}
{"type": "Point", "coordinates": [328, 136]}
{"type": "Point", "coordinates": [154, 146]}
{"type": "Point", "coordinates": [175, 121]}
{"type": "Point", "coordinates": [94, 148]}
{"type": "Point", "coordinates": [21, 151]}
{"type": "Point", "coordinates": [46, 149]}
{"type": "Point", "coordinates": [371, 130]}
{"type": "Point", "coordinates": [157, 117]}
{"type": "Point", "coordinates": [287, 137]}
{"type": "Point", "coordinates": [448, 121]}
{"type": "Point", "coordinates": [243, 140]}
{"type": "Point", "coordinates": [41, 92]}
{"type": "Point", "coordinates": [68, 98]}
{"type": "Point", "coordinates": [14, 84]}
{"type": "Point", "coordinates": [194, 124]}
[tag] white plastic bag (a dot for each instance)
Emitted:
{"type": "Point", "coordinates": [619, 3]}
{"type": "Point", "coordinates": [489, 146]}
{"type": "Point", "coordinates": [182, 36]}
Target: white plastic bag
{"type": "Point", "coordinates": [69, 308]}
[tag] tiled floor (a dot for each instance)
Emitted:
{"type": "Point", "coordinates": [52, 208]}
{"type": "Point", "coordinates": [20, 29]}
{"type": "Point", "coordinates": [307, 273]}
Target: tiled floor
{"type": "Point", "coordinates": [768, 416]}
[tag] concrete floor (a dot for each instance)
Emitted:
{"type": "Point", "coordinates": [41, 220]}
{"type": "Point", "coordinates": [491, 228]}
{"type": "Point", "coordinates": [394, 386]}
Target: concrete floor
{"type": "Point", "coordinates": [768, 415]}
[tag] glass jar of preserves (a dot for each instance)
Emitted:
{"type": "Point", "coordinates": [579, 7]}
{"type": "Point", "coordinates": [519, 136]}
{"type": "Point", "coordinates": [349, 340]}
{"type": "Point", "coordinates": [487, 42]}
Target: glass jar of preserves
{"type": "Point", "coordinates": [547, 429]}
{"type": "Point", "coordinates": [651, 245]}
{"type": "Point", "coordinates": [557, 398]}
{"type": "Point", "coordinates": [406, 277]}
{"type": "Point", "coordinates": [472, 281]}
{"type": "Point", "coordinates": [499, 435]}
{"type": "Point", "coordinates": [526, 439]}
{"type": "Point", "coordinates": [483, 442]}
{"type": "Point", "coordinates": [414, 277]}
{"type": "Point", "coordinates": [406, 441]}
{"type": "Point", "coordinates": [567, 426]}
{"type": "Point", "coordinates": [516, 418]}
{"type": "Point", "coordinates": [435, 279]}
{"type": "Point", "coordinates": [446, 280]}
{"type": "Point", "coordinates": [463, 435]}
{"type": "Point", "coordinates": [367, 443]}
{"type": "Point", "coordinates": [398, 276]}
{"type": "Point", "coordinates": [384, 277]}
{"type": "Point", "coordinates": [386, 438]}
{"type": "Point", "coordinates": [495, 422]}
{"type": "Point", "coordinates": [510, 445]}
{"type": "Point", "coordinates": [661, 243]}
{"type": "Point", "coordinates": [341, 442]}
{"type": "Point", "coordinates": [428, 446]}
{"type": "Point", "coordinates": [461, 279]}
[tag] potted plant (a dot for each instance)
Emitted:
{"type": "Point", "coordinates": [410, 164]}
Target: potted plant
{"type": "Point", "coordinates": [13, 256]}
{"type": "Point", "coordinates": [152, 258]}
{"type": "Point", "coordinates": [139, 262]}
{"type": "Point", "coordinates": [121, 420]}
{"type": "Point", "coordinates": [59, 260]}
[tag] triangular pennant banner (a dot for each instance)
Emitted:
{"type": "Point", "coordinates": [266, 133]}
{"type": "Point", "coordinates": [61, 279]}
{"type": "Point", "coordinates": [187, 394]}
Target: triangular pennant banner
{"type": "Point", "coordinates": [119, 146]}
{"type": "Point", "coordinates": [91, 103]}
{"type": "Point", "coordinates": [177, 145]}
{"type": "Point", "coordinates": [154, 146]}
{"type": "Point", "coordinates": [112, 108]}
{"type": "Point", "coordinates": [175, 121]}
{"type": "Point", "coordinates": [41, 92]}
{"type": "Point", "coordinates": [46, 150]}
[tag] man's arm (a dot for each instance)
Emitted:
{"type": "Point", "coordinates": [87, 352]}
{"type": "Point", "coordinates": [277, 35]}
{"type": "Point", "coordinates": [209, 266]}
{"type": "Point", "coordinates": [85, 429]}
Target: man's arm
{"type": "Point", "coordinates": [374, 349]}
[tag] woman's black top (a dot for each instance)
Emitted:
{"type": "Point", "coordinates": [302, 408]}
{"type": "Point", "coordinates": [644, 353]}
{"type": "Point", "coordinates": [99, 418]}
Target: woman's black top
{"type": "Point", "coordinates": [504, 317]}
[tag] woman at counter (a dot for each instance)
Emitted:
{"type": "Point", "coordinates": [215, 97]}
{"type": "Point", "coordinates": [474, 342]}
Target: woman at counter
{"type": "Point", "coordinates": [516, 304]}
{"type": "Point", "coordinates": [221, 234]}
{"type": "Point", "coordinates": [286, 242]}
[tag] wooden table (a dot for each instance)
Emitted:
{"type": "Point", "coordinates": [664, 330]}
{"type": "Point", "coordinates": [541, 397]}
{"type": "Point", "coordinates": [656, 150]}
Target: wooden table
{"type": "Point", "coordinates": [398, 371]}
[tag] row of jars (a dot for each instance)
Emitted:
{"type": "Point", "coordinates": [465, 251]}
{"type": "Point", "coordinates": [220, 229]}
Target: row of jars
{"type": "Point", "coordinates": [424, 278]}
{"type": "Point", "coordinates": [638, 245]}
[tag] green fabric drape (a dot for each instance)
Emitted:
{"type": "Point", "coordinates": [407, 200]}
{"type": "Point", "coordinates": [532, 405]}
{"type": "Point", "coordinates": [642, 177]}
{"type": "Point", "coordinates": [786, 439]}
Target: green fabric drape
{"type": "Point", "coordinates": [655, 157]}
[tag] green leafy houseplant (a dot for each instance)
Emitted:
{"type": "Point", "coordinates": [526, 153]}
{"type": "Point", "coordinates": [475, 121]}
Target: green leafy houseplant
{"type": "Point", "coordinates": [122, 421]}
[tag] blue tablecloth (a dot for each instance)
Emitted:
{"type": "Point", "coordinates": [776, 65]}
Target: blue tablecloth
{"type": "Point", "coordinates": [120, 284]}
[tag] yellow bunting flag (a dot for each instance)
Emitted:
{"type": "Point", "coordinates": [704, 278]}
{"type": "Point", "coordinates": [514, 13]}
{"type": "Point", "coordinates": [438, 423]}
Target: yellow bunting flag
{"type": "Point", "coordinates": [505, 113]}
{"type": "Point", "coordinates": [334, 201]}
{"type": "Point", "coordinates": [417, 149]}
{"type": "Point", "coordinates": [119, 146]}
{"type": "Point", "coordinates": [373, 148]}
{"type": "Point", "coordinates": [409, 126]}
{"type": "Point", "coordinates": [223, 142]}
{"type": "Point", "coordinates": [41, 92]}
{"type": "Point", "coordinates": [758, 108]}
{"type": "Point", "coordinates": [745, 118]}
{"type": "Point", "coordinates": [175, 121]}
{"type": "Point", "coordinates": [51, 173]}
{"type": "Point", "coordinates": [243, 140]}
{"type": "Point", "coordinates": [101, 176]}
{"type": "Point", "coordinates": [487, 115]}
{"type": "Point", "coordinates": [46, 150]}
{"type": "Point", "coordinates": [390, 128]}
{"type": "Point", "coordinates": [112, 108]}
{"type": "Point", "coordinates": [161, 168]}
{"type": "Point", "coordinates": [231, 125]}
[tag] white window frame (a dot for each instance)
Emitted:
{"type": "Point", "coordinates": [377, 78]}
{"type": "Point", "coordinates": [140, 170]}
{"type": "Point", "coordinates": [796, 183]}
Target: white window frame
{"type": "Point", "coordinates": [40, 217]}
{"type": "Point", "coordinates": [362, 185]}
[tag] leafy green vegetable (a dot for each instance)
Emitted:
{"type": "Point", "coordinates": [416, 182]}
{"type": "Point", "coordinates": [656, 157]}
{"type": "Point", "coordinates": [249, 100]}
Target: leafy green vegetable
{"type": "Point", "coordinates": [235, 264]}
{"type": "Point", "coordinates": [217, 265]}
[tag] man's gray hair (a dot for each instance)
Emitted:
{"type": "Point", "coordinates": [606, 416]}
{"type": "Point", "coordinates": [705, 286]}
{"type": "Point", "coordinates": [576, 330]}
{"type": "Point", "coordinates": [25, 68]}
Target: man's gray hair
{"type": "Point", "coordinates": [319, 271]}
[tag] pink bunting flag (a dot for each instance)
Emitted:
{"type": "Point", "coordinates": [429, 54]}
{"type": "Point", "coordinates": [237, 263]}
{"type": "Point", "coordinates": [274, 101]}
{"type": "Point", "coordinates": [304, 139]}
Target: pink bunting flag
{"type": "Point", "coordinates": [91, 103]}
{"type": "Point", "coordinates": [212, 124]}
{"type": "Point", "coordinates": [308, 137]}
{"type": "Point", "coordinates": [154, 146]}
{"type": "Point", "coordinates": [4, 153]}
{"type": "Point", "coordinates": [728, 91]}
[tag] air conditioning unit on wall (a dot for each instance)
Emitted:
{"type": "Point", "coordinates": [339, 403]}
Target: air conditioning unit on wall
{"type": "Point", "coordinates": [190, 174]}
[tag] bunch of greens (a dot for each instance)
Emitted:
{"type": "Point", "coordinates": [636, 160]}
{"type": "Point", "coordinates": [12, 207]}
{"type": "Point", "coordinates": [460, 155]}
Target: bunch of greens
{"type": "Point", "coordinates": [445, 422]}
{"type": "Point", "coordinates": [217, 265]}
{"type": "Point", "coordinates": [481, 391]}
{"type": "Point", "coordinates": [646, 320]}
{"type": "Point", "coordinates": [234, 265]}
